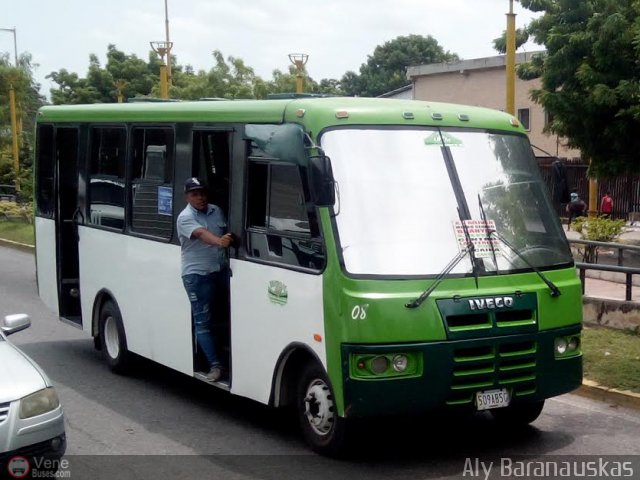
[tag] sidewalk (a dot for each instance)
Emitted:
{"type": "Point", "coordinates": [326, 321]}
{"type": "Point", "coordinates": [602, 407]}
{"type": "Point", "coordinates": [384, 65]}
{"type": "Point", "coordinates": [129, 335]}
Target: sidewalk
{"type": "Point", "coordinates": [608, 290]}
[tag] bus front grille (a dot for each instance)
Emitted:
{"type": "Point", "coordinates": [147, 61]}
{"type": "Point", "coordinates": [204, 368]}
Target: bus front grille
{"type": "Point", "coordinates": [481, 317]}
{"type": "Point", "coordinates": [510, 365]}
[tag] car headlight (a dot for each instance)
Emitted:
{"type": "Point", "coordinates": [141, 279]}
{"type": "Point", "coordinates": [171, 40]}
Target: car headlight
{"type": "Point", "coordinates": [42, 401]}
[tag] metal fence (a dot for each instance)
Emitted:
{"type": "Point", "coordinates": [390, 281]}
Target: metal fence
{"type": "Point", "coordinates": [624, 253]}
{"type": "Point", "coordinates": [625, 190]}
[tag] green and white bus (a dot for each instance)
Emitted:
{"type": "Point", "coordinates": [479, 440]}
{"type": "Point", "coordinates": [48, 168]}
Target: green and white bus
{"type": "Point", "coordinates": [393, 257]}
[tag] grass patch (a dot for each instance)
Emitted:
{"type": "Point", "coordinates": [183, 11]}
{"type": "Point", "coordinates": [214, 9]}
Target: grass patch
{"type": "Point", "coordinates": [21, 232]}
{"type": "Point", "coordinates": [612, 357]}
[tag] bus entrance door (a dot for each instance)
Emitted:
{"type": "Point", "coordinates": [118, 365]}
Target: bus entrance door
{"type": "Point", "coordinates": [68, 216]}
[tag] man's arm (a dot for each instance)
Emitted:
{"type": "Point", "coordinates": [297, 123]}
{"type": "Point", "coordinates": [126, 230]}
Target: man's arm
{"type": "Point", "coordinates": [207, 237]}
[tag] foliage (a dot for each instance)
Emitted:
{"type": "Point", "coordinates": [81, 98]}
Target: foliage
{"type": "Point", "coordinates": [99, 85]}
{"type": "Point", "coordinates": [599, 229]}
{"type": "Point", "coordinates": [590, 77]}
{"type": "Point", "coordinates": [28, 100]}
{"type": "Point", "coordinates": [228, 78]}
{"type": "Point", "coordinates": [16, 211]}
{"type": "Point", "coordinates": [500, 43]}
{"type": "Point", "coordinates": [385, 70]}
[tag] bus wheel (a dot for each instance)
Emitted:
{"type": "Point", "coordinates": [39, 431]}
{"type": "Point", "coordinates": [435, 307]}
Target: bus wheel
{"type": "Point", "coordinates": [519, 414]}
{"type": "Point", "coordinates": [113, 340]}
{"type": "Point", "coordinates": [322, 428]}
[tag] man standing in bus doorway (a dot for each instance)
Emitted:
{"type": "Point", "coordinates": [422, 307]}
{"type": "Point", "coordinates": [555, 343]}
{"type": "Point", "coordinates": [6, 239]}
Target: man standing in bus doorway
{"type": "Point", "coordinates": [204, 241]}
{"type": "Point", "coordinates": [606, 205]}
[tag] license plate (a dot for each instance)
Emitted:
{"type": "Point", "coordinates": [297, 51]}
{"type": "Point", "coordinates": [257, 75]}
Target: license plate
{"type": "Point", "coordinates": [492, 399]}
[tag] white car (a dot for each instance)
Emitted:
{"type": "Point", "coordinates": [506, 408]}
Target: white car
{"type": "Point", "coordinates": [31, 418]}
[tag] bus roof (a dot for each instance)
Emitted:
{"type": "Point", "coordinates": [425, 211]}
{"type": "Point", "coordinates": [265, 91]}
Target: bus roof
{"type": "Point", "coordinates": [315, 113]}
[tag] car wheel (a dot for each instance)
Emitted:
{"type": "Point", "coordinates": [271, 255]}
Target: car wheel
{"type": "Point", "coordinates": [323, 429]}
{"type": "Point", "coordinates": [113, 339]}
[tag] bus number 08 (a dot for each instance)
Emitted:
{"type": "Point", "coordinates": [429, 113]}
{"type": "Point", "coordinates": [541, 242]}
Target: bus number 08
{"type": "Point", "coordinates": [359, 312]}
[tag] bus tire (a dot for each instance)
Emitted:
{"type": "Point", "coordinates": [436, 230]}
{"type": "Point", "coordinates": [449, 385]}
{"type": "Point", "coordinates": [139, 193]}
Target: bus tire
{"type": "Point", "coordinates": [113, 340]}
{"type": "Point", "coordinates": [519, 414]}
{"type": "Point", "coordinates": [323, 429]}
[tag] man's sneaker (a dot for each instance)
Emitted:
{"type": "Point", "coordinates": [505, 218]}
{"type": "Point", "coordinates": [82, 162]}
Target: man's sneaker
{"type": "Point", "coordinates": [214, 374]}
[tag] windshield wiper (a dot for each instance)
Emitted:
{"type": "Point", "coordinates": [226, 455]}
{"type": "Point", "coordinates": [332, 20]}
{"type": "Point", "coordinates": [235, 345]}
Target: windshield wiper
{"type": "Point", "coordinates": [450, 266]}
{"type": "Point", "coordinates": [470, 248]}
{"type": "Point", "coordinates": [555, 291]}
{"type": "Point", "coordinates": [488, 234]}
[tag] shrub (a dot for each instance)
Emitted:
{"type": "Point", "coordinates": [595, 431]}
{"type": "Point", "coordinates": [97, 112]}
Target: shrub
{"type": "Point", "coordinates": [599, 229]}
{"type": "Point", "coordinates": [14, 211]}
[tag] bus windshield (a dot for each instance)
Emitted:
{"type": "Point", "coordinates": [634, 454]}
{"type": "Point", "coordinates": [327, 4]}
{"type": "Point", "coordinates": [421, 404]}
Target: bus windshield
{"type": "Point", "coordinates": [403, 194]}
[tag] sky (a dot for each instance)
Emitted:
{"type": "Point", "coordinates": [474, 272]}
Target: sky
{"type": "Point", "coordinates": [336, 34]}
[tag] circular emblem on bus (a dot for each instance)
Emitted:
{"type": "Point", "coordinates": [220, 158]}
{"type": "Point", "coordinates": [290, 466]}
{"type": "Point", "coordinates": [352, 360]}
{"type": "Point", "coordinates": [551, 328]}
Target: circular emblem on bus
{"type": "Point", "coordinates": [18, 467]}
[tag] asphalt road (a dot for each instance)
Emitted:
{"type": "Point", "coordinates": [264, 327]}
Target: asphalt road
{"type": "Point", "coordinates": [161, 424]}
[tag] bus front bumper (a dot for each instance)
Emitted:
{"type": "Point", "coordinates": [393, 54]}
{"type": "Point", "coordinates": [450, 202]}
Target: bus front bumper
{"type": "Point", "coordinates": [448, 374]}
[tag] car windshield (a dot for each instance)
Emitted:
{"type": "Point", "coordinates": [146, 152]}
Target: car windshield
{"type": "Point", "coordinates": [404, 192]}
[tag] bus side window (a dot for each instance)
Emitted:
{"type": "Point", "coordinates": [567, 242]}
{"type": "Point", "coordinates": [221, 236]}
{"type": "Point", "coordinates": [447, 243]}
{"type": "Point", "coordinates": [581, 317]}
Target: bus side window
{"type": "Point", "coordinates": [151, 184]}
{"type": "Point", "coordinates": [278, 222]}
{"type": "Point", "coordinates": [107, 177]}
{"type": "Point", "coordinates": [210, 162]}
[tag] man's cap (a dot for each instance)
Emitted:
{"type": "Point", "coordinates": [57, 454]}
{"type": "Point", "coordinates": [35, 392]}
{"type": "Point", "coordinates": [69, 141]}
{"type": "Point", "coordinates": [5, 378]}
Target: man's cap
{"type": "Point", "coordinates": [574, 196]}
{"type": "Point", "coordinates": [194, 183]}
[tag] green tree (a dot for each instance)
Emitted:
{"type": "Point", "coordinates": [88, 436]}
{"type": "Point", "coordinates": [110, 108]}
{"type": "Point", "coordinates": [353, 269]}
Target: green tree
{"type": "Point", "coordinates": [98, 86]}
{"type": "Point", "coordinates": [385, 70]}
{"type": "Point", "coordinates": [28, 100]}
{"type": "Point", "coordinates": [590, 77]}
{"type": "Point", "coordinates": [286, 83]}
{"type": "Point", "coordinates": [229, 78]}
{"type": "Point", "coordinates": [500, 43]}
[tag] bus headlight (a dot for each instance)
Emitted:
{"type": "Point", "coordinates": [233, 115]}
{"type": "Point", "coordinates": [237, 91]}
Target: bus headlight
{"type": "Point", "coordinates": [400, 363]}
{"type": "Point", "coordinates": [382, 366]}
{"type": "Point", "coordinates": [561, 346]}
{"type": "Point", "coordinates": [574, 344]}
{"type": "Point", "coordinates": [379, 365]}
{"type": "Point", "coordinates": [567, 347]}
{"type": "Point", "coordinates": [42, 401]}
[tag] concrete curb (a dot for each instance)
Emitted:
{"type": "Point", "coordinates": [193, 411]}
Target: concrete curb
{"type": "Point", "coordinates": [595, 391]}
{"type": "Point", "coordinates": [19, 246]}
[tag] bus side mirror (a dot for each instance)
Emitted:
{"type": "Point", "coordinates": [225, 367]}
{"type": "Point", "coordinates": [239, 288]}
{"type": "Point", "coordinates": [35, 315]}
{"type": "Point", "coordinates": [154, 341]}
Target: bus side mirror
{"type": "Point", "coordinates": [321, 181]}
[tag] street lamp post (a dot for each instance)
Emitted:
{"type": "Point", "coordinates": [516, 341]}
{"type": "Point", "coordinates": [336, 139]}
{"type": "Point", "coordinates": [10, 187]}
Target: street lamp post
{"type": "Point", "coordinates": [511, 61]}
{"type": "Point", "coordinates": [120, 84]}
{"type": "Point", "coordinates": [169, 43]}
{"type": "Point", "coordinates": [299, 60]}
{"type": "Point", "coordinates": [14, 115]}
{"type": "Point", "coordinates": [162, 48]}
{"type": "Point", "coordinates": [15, 43]}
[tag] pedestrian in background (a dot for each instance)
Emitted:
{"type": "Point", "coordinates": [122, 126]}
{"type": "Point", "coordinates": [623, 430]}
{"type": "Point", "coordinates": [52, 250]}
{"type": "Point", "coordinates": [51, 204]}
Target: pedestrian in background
{"type": "Point", "coordinates": [606, 205]}
{"type": "Point", "coordinates": [575, 208]}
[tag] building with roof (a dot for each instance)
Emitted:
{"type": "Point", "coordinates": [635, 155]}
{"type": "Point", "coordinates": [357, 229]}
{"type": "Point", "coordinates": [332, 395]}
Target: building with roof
{"type": "Point", "coordinates": [481, 82]}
